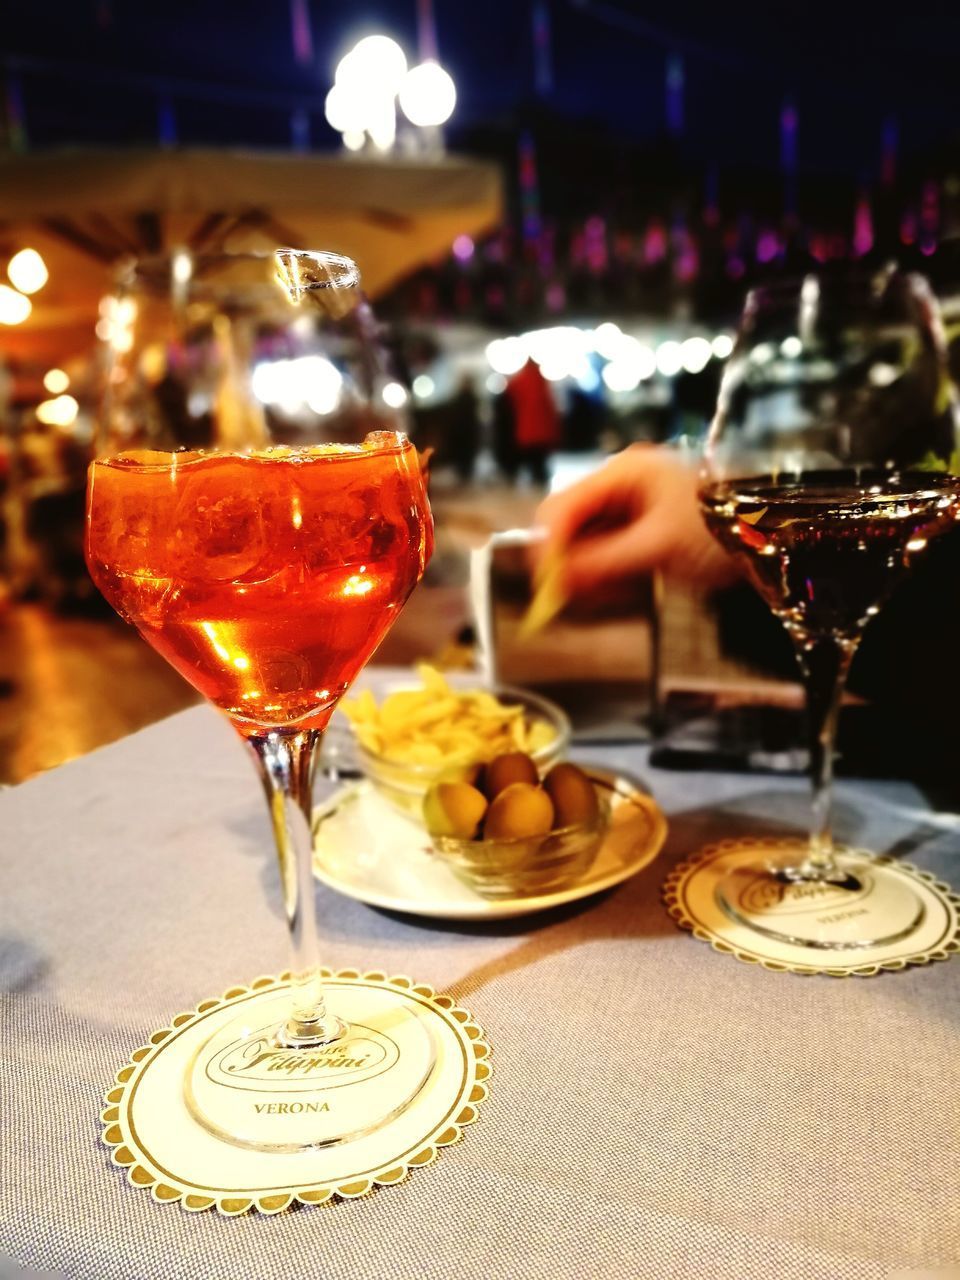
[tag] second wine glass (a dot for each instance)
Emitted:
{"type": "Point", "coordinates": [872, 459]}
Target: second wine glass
{"type": "Point", "coordinates": [828, 470]}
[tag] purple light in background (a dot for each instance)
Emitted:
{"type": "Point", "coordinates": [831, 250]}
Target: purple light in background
{"type": "Point", "coordinates": [735, 268]}
{"type": "Point", "coordinates": [768, 246]}
{"type": "Point", "coordinates": [789, 122]}
{"type": "Point", "coordinates": [463, 248]}
{"type": "Point", "coordinates": [675, 82]}
{"type": "Point", "coordinates": [788, 138]}
{"type": "Point", "coordinates": [862, 228]}
{"type": "Point", "coordinates": [300, 31]}
{"type": "Point", "coordinates": [542, 53]}
{"type": "Point", "coordinates": [929, 217]}
{"type": "Point", "coordinates": [529, 189]}
{"type": "Point", "coordinates": [655, 243]}
{"type": "Point", "coordinates": [688, 264]}
{"type": "Point", "coordinates": [556, 297]}
{"type": "Point", "coordinates": [426, 31]}
{"type": "Point", "coordinates": [889, 143]}
{"type": "Point", "coordinates": [908, 227]}
{"type": "Point", "coordinates": [595, 234]}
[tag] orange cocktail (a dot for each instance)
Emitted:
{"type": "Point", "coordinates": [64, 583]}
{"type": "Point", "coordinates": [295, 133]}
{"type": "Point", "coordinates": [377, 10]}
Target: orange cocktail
{"type": "Point", "coordinates": [266, 579]}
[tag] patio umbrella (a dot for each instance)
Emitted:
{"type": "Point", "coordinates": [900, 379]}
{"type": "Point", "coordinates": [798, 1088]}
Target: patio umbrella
{"type": "Point", "coordinates": [86, 211]}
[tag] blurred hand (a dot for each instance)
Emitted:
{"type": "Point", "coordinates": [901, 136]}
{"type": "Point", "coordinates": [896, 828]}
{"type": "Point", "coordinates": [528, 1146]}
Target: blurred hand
{"type": "Point", "coordinates": [638, 513]}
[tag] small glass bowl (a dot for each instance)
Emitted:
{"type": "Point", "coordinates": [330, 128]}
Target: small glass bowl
{"type": "Point", "coordinates": [527, 867]}
{"type": "Point", "coordinates": [405, 785]}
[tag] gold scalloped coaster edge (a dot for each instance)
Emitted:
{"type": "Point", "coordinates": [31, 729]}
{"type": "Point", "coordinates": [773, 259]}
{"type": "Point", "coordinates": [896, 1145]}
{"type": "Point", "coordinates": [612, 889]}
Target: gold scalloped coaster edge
{"type": "Point", "coordinates": [678, 908]}
{"type": "Point", "coordinates": [124, 1153]}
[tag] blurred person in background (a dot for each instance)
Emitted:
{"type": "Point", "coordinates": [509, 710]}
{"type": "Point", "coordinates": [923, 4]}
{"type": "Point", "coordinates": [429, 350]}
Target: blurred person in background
{"type": "Point", "coordinates": [536, 422]}
{"type": "Point", "coordinates": [464, 441]}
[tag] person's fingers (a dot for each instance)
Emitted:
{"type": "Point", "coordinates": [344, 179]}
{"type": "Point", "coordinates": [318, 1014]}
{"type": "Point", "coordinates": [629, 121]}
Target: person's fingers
{"type": "Point", "coordinates": [613, 490]}
{"type": "Point", "coordinates": [562, 514]}
{"type": "Point", "coordinates": [635, 549]}
{"type": "Point", "coordinates": [559, 517]}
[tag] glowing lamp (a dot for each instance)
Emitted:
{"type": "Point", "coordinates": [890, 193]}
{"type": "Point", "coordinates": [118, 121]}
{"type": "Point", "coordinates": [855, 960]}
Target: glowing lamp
{"type": "Point", "coordinates": [428, 95]}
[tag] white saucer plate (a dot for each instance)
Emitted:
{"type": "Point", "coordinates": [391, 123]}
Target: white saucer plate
{"type": "Point", "coordinates": [368, 850]}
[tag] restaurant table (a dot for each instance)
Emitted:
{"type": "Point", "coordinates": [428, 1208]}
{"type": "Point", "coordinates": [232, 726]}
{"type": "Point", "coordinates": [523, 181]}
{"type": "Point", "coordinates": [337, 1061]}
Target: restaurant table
{"type": "Point", "coordinates": [658, 1110]}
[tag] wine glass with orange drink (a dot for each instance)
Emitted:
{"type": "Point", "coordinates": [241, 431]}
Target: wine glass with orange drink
{"type": "Point", "coordinates": [266, 573]}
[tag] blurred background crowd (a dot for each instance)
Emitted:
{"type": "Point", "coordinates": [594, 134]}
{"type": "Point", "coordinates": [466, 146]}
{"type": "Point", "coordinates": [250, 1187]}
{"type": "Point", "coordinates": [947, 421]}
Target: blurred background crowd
{"type": "Point", "coordinates": [557, 207]}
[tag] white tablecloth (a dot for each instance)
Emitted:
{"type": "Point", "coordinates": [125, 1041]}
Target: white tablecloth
{"type": "Point", "coordinates": [698, 1117]}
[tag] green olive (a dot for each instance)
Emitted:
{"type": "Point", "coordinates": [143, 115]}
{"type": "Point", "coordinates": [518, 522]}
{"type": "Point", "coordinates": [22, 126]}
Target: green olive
{"type": "Point", "coordinates": [519, 811]}
{"type": "Point", "coordinates": [573, 794]}
{"type": "Point", "coordinates": [454, 809]}
{"type": "Point", "coordinates": [503, 771]}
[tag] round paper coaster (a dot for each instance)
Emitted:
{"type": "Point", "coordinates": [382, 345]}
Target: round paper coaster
{"type": "Point", "coordinates": [723, 897]}
{"type": "Point", "coordinates": [405, 1043]}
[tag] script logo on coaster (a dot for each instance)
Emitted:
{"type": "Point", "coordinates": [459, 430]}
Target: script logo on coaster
{"type": "Point", "coordinates": [257, 1064]}
{"type": "Point", "coordinates": [761, 895]}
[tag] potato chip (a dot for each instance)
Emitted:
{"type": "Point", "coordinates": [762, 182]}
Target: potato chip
{"type": "Point", "coordinates": [550, 595]}
{"type": "Point", "coordinates": [439, 725]}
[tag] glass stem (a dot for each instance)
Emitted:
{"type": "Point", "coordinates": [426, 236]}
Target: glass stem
{"type": "Point", "coordinates": [825, 663]}
{"type": "Point", "coordinates": [285, 762]}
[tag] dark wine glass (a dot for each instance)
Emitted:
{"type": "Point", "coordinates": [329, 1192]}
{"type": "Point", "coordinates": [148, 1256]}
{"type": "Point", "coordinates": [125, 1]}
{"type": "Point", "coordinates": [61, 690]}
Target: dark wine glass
{"type": "Point", "coordinates": [829, 467]}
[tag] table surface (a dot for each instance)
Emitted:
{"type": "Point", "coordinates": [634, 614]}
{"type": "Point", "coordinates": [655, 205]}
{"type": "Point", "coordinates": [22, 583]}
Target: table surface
{"type": "Point", "coordinates": [699, 1117]}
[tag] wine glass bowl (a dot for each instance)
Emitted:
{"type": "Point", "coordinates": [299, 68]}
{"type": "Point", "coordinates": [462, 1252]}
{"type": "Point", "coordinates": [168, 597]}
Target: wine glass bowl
{"type": "Point", "coordinates": [242, 351]}
{"type": "Point", "coordinates": [846, 369]}
{"type": "Point", "coordinates": [828, 469]}
{"type": "Point", "coordinates": [266, 579]}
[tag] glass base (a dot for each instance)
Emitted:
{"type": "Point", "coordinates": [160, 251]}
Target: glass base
{"type": "Point", "coordinates": [862, 903]}
{"type": "Point", "coordinates": [294, 1034]}
{"type": "Point", "coordinates": [246, 1088]}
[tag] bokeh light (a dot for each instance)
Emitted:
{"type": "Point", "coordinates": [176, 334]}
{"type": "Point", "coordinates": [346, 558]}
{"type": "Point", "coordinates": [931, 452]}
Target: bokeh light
{"type": "Point", "coordinates": [61, 412]}
{"type": "Point", "coordinates": [506, 355]}
{"type": "Point", "coordinates": [428, 95]}
{"type": "Point", "coordinates": [14, 307]}
{"type": "Point", "coordinates": [376, 62]}
{"type": "Point", "coordinates": [394, 395]}
{"type": "Point", "coordinates": [669, 358]}
{"type": "Point", "coordinates": [28, 271]}
{"type": "Point", "coordinates": [695, 354]}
